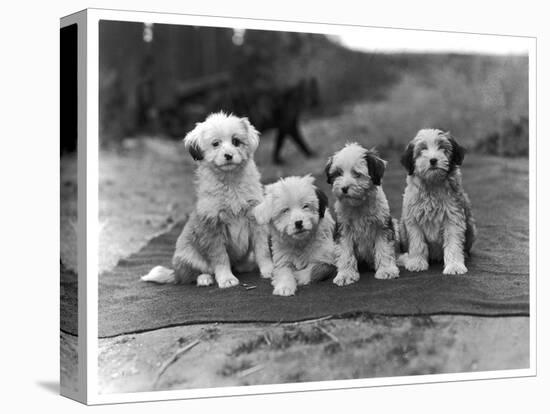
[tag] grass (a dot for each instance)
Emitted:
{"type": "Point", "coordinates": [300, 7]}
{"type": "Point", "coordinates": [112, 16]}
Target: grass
{"type": "Point", "coordinates": [360, 342]}
{"type": "Point", "coordinates": [210, 333]}
{"type": "Point", "coordinates": [405, 346]}
{"type": "Point", "coordinates": [233, 367]}
{"type": "Point", "coordinates": [289, 337]}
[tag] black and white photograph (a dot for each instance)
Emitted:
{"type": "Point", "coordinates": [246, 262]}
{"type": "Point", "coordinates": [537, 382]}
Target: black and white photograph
{"type": "Point", "coordinates": [292, 206]}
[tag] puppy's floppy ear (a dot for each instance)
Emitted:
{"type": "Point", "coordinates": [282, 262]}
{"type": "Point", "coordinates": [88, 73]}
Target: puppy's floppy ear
{"type": "Point", "coordinates": [407, 159]}
{"type": "Point", "coordinates": [264, 211]}
{"type": "Point", "coordinates": [192, 142]}
{"type": "Point", "coordinates": [253, 134]}
{"type": "Point", "coordinates": [330, 177]}
{"type": "Point", "coordinates": [323, 202]}
{"type": "Point", "coordinates": [376, 166]}
{"type": "Point", "coordinates": [457, 152]}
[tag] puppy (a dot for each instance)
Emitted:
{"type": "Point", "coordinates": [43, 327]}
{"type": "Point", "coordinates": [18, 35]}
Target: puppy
{"type": "Point", "coordinates": [436, 222]}
{"type": "Point", "coordinates": [221, 232]}
{"type": "Point", "coordinates": [366, 230]}
{"type": "Point", "coordinates": [301, 230]}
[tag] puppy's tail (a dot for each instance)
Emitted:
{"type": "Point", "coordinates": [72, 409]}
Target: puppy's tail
{"type": "Point", "coordinates": [323, 271]}
{"type": "Point", "coordinates": [160, 274]}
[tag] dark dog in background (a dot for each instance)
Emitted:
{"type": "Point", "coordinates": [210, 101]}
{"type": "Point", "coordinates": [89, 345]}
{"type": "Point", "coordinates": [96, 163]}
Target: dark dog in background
{"type": "Point", "coordinates": [267, 106]}
{"type": "Point", "coordinates": [279, 109]}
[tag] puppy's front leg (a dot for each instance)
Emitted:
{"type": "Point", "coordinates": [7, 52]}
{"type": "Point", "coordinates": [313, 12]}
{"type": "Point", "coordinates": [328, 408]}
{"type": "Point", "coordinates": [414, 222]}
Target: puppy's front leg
{"type": "Point", "coordinates": [346, 263]}
{"type": "Point", "coordinates": [222, 269]}
{"type": "Point", "coordinates": [384, 257]}
{"type": "Point", "coordinates": [453, 249]}
{"type": "Point", "coordinates": [417, 258]}
{"type": "Point", "coordinates": [262, 252]}
{"type": "Point", "coordinates": [284, 283]}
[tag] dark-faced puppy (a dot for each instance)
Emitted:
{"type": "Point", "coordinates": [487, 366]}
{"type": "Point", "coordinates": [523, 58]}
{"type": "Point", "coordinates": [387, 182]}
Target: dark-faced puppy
{"type": "Point", "coordinates": [436, 222]}
{"type": "Point", "coordinates": [366, 229]}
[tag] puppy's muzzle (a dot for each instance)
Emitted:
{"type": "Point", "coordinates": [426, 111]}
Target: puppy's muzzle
{"type": "Point", "coordinates": [228, 157]}
{"type": "Point", "coordinates": [299, 224]}
{"type": "Point", "coordinates": [433, 162]}
{"type": "Point", "coordinates": [345, 190]}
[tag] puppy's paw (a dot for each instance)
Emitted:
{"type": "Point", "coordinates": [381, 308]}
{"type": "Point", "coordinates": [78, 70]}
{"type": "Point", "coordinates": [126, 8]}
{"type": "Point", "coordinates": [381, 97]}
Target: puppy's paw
{"type": "Point", "coordinates": [401, 259]}
{"type": "Point", "coordinates": [227, 281]}
{"type": "Point", "coordinates": [346, 278]}
{"type": "Point", "coordinates": [455, 268]}
{"type": "Point", "coordinates": [205, 280]}
{"type": "Point", "coordinates": [303, 277]}
{"type": "Point", "coordinates": [388, 272]}
{"type": "Point", "coordinates": [266, 270]}
{"type": "Point", "coordinates": [415, 264]}
{"type": "Point", "coordinates": [284, 289]}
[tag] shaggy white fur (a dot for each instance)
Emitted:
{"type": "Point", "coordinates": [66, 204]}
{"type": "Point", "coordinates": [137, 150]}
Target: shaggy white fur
{"type": "Point", "coordinates": [366, 230]}
{"type": "Point", "coordinates": [301, 230]}
{"type": "Point", "coordinates": [436, 222]}
{"type": "Point", "coordinates": [221, 232]}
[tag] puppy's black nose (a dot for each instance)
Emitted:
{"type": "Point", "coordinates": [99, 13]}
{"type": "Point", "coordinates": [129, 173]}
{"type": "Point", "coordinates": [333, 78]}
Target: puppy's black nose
{"type": "Point", "coordinates": [433, 161]}
{"type": "Point", "coordinates": [228, 157]}
{"type": "Point", "coordinates": [299, 224]}
{"type": "Point", "coordinates": [345, 190]}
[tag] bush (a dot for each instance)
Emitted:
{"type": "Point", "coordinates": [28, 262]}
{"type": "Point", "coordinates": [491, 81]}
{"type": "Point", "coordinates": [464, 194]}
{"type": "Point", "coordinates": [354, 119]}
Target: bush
{"type": "Point", "coordinates": [471, 102]}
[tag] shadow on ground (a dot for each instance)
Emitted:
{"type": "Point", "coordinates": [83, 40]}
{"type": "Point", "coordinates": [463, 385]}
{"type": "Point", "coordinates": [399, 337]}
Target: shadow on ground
{"type": "Point", "coordinates": [49, 386]}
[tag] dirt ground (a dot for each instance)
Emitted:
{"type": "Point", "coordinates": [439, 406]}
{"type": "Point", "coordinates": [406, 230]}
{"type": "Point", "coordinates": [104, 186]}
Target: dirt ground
{"type": "Point", "coordinates": [360, 347]}
{"type": "Point", "coordinates": [146, 187]}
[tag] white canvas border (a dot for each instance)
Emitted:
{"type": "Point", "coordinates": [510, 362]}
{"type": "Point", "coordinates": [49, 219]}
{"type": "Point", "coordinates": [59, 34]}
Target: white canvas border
{"type": "Point", "coordinates": [93, 18]}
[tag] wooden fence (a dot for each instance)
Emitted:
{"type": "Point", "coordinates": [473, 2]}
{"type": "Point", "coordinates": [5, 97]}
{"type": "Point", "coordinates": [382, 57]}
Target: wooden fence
{"type": "Point", "coordinates": [140, 73]}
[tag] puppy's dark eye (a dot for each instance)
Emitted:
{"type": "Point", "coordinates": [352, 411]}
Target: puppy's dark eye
{"type": "Point", "coordinates": [285, 210]}
{"type": "Point", "coordinates": [236, 141]}
{"type": "Point", "coordinates": [215, 143]}
{"type": "Point", "coordinates": [355, 174]}
{"type": "Point", "coordinates": [306, 206]}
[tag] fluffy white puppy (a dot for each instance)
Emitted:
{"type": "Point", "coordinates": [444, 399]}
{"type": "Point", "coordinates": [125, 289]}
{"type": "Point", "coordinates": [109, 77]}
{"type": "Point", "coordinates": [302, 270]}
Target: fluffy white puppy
{"type": "Point", "coordinates": [221, 232]}
{"type": "Point", "coordinates": [301, 230]}
{"type": "Point", "coordinates": [366, 231]}
{"type": "Point", "coordinates": [436, 222]}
